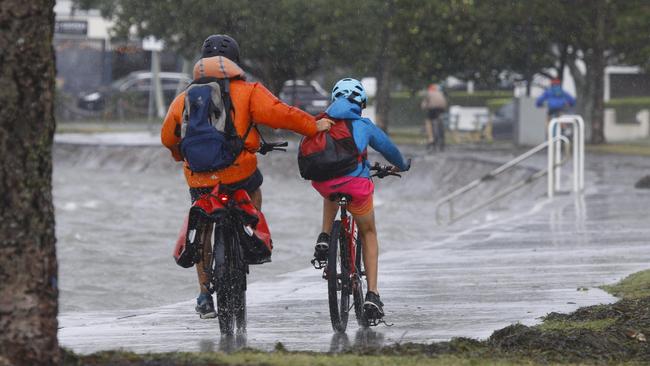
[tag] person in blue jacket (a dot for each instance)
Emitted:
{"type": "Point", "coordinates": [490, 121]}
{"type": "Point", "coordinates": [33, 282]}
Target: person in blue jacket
{"type": "Point", "coordinates": [556, 99]}
{"type": "Point", "coordinates": [348, 99]}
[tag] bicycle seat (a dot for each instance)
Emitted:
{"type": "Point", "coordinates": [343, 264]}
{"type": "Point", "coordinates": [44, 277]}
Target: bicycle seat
{"type": "Point", "coordinates": [338, 197]}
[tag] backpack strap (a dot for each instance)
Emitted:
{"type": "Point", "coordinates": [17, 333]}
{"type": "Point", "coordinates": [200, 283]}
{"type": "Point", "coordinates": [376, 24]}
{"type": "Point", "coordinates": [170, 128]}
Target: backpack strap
{"type": "Point", "coordinates": [362, 155]}
{"type": "Point", "coordinates": [227, 102]}
{"type": "Point", "coordinates": [252, 125]}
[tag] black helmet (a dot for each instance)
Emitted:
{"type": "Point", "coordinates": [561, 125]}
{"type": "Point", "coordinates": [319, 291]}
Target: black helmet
{"type": "Point", "coordinates": [220, 45]}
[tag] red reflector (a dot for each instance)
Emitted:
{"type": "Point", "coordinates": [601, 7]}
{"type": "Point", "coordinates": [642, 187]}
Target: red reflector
{"type": "Point", "coordinates": [223, 198]}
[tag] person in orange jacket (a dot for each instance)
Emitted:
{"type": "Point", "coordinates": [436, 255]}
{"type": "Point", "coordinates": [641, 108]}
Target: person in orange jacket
{"type": "Point", "coordinates": [252, 102]}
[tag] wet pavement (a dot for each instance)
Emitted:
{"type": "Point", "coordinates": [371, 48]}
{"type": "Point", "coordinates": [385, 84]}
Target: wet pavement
{"type": "Point", "coordinates": [119, 208]}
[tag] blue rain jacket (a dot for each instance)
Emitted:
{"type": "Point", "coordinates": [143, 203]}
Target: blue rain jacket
{"type": "Point", "coordinates": [556, 99]}
{"type": "Point", "coordinates": [365, 133]}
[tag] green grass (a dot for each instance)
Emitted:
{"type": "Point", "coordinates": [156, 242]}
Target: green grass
{"type": "Point", "coordinates": [254, 358]}
{"type": "Point", "coordinates": [562, 325]}
{"type": "Point", "coordinates": [641, 148]}
{"type": "Point", "coordinates": [629, 101]}
{"type": "Point", "coordinates": [483, 94]}
{"type": "Point", "coordinates": [496, 103]}
{"type": "Point", "coordinates": [634, 286]}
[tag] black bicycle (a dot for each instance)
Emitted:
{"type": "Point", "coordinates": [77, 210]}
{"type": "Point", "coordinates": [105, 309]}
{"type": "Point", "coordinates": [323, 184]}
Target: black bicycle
{"type": "Point", "coordinates": [234, 248]}
{"type": "Point", "coordinates": [343, 268]}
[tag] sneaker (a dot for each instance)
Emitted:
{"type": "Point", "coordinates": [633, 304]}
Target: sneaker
{"type": "Point", "coordinates": [373, 307]}
{"type": "Point", "coordinates": [322, 247]}
{"type": "Point", "coordinates": [205, 306]}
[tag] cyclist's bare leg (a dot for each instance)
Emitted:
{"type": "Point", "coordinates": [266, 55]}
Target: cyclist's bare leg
{"type": "Point", "coordinates": [256, 198]}
{"type": "Point", "coordinates": [428, 128]}
{"type": "Point", "coordinates": [438, 133]}
{"type": "Point", "coordinates": [330, 208]}
{"type": "Point", "coordinates": [205, 258]}
{"type": "Point", "coordinates": [368, 231]}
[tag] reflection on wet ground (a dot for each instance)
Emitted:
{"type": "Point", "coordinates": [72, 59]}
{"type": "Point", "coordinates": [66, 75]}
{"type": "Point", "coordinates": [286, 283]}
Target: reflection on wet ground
{"type": "Point", "coordinates": [340, 342]}
{"type": "Point", "coordinates": [512, 264]}
{"type": "Point", "coordinates": [363, 339]}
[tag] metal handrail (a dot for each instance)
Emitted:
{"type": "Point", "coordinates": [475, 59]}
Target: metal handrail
{"type": "Point", "coordinates": [491, 175]}
{"type": "Point", "coordinates": [555, 153]}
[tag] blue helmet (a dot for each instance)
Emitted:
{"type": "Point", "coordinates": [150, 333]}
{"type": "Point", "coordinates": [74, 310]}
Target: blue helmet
{"type": "Point", "coordinates": [352, 90]}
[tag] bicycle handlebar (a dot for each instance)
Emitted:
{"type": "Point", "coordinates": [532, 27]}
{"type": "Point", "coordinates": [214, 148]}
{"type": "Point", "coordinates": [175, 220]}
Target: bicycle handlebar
{"type": "Point", "coordinates": [382, 171]}
{"type": "Point", "coordinates": [272, 146]}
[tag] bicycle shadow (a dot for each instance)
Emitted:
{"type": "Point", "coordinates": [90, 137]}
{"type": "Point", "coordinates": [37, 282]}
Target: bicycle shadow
{"type": "Point", "coordinates": [365, 339]}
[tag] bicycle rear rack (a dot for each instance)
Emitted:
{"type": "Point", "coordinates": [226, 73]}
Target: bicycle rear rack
{"type": "Point", "coordinates": [554, 143]}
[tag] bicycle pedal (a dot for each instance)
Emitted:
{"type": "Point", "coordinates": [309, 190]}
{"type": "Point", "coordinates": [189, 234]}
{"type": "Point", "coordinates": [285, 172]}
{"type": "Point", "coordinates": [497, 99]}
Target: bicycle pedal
{"type": "Point", "coordinates": [318, 264]}
{"type": "Point", "coordinates": [377, 321]}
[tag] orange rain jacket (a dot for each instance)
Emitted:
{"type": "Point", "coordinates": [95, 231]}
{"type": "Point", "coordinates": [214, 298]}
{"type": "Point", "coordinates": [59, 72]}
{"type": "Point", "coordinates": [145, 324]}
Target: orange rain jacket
{"type": "Point", "coordinates": [251, 102]}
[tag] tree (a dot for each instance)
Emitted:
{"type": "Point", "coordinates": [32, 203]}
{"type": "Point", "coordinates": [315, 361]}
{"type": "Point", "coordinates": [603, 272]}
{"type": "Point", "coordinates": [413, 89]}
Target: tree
{"type": "Point", "coordinates": [279, 40]}
{"type": "Point", "coordinates": [432, 39]}
{"type": "Point", "coordinates": [28, 267]}
{"type": "Point", "coordinates": [609, 32]}
{"type": "Point", "coordinates": [585, 35]}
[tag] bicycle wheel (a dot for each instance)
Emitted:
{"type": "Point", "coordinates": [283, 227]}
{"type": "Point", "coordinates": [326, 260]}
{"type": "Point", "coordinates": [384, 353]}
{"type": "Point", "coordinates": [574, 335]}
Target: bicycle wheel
{"type": "Point", "coordinates": [357, 289]}
{"type": "Point", "coordinates": [231, 287]}
{"type": "Point", "coordinates": [338, 280]}
{"type": "Point", "coordinates": [239, 301]}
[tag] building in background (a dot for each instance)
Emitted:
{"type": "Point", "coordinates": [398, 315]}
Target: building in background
{"type": "Point", "coordinates": [82, 46]}
{"type": "Point", "coordinates": [92, 67]}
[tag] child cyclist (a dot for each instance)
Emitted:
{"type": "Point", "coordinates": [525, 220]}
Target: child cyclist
{"type": "Point", "coordinates": [348, 99]}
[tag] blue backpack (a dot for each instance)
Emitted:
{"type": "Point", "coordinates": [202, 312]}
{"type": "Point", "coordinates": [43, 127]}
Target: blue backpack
{"type": "Point", "coordinates": [209, 140]}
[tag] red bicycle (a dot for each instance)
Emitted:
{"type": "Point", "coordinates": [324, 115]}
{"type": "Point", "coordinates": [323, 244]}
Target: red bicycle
{"type": "Point", "coordinates": [343, 268]}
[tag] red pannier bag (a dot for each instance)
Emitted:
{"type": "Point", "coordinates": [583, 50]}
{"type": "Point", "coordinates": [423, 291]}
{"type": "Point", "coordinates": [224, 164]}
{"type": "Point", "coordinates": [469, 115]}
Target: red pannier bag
{"type": "Point", "coordinates": [200, 218]}
{"type": "Point", "coordinates": [255, 237]}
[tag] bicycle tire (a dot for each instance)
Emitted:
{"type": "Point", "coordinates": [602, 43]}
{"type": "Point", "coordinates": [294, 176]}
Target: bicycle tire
{"type": "Point", "coordinates": [239, 302]}
{"type": "Point", "coordinates": [358, 294]}
{"type": "Point", "coordinates": [231, 288]}
{"type": "Point", "coordinates": [338, 280]}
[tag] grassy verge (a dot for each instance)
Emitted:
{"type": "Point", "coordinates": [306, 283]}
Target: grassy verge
{"type": "Point", "coordinates": [641, 147]}
{"type": "Point", "coordinates": [634, 286]}
{"type": "Point", "coordinates": [288, 359]}
{"type": "Point", "coordinates": [600, 334]}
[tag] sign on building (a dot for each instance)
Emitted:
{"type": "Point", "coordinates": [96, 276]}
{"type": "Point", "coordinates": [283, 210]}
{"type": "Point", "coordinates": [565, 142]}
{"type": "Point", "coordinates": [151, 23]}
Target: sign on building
{"type": "Point", "coordinates": [72, 27]}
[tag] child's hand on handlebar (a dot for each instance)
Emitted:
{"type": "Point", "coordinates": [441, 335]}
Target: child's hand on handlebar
{"type": "Point", "coordinates": [398, 170]}
{"type": "Point", "coordinates": [408, 165]}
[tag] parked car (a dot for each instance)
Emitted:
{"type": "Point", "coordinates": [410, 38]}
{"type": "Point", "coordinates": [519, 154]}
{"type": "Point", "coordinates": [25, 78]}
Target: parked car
{"type": "Point", "coordinates": [503, 122]}
{"type": "Point", "coordinates": [130, 94]}
{"type": "Point", "coordinates": [309, 97]}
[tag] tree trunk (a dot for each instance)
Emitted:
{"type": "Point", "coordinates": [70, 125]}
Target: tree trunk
{"type": "Point", "coordinates": [382, 99]}
{"type": "Point", "coordinates": [28, 267]}
{"type": "Point", "coordinates": [564, 52]}
{"type": "Point", "coordinates": [584, 88]}
{"type": "Point", "coordinates": [384, 69]}
{"type": "Point", "coordinates": [598, 75]}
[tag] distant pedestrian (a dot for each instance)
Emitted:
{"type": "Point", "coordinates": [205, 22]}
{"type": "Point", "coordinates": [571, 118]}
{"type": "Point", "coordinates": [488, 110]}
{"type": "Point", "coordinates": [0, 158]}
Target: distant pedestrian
{"type": "Point", "coordinates": [556, 99]}
{"type": "Point", "coordinates": [434, 104]}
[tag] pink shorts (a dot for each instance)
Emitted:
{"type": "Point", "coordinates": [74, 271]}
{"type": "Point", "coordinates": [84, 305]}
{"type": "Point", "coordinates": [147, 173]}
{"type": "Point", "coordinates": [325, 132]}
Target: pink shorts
{"type": "Point", "coordinates": [360, 189]}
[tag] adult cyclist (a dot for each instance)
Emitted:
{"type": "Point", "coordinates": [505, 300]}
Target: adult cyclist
{"type": "Point", "coordinates": [251, 102]}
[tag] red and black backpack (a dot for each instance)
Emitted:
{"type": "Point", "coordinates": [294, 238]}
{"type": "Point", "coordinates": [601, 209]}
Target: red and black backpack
{"type": "Point", "coordinates": [329, 154]}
